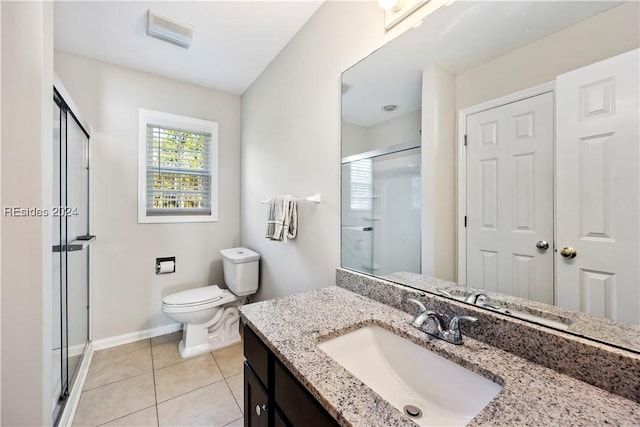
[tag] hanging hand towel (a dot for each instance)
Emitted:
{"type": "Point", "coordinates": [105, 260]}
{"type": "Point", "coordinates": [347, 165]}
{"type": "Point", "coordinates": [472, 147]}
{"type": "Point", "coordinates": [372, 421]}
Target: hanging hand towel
{"type": "Point", "coordinates": [282, 219]}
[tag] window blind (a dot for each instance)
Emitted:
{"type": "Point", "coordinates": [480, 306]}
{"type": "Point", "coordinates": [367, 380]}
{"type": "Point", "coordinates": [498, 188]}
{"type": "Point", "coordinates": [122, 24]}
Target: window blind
{"type": "Point", "coordinates": [361, 184]}
{"type": "Point", "coordinates": [178, 171]}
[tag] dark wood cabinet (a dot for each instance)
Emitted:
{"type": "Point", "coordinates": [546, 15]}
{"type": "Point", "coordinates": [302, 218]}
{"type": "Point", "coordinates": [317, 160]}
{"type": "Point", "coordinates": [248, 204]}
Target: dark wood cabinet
{"type": "Point", "coordinates": [256, 406]}
{"type": "Point", "coordinates": [272, 395]}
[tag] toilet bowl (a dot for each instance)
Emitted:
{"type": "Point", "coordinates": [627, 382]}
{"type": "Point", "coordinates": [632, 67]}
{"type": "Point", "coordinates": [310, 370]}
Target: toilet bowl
{"type": "Point", "coordinates": [209, 314]}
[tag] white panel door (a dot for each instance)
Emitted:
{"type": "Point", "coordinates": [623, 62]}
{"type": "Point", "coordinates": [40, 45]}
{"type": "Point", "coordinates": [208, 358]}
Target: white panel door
{"type": "Point", "coordinates": [510, 198]}
{"type": "Point", "coordinates": [598, 186]}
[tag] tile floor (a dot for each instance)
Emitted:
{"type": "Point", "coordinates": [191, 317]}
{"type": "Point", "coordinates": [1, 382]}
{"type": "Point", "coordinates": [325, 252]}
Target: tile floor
{"type": "Point", "coordinates": [146, 383]}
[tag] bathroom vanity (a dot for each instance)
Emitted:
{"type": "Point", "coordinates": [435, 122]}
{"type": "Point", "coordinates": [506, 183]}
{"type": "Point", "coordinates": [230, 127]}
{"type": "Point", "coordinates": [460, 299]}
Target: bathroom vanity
{"type": "Point", "coordinates": [289, 377]}
{"type": "Point", "coordinates": [272, 395]}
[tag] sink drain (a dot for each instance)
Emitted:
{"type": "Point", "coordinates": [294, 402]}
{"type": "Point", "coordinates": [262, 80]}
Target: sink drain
{"type": "Point", "coordinates": [412, 411]}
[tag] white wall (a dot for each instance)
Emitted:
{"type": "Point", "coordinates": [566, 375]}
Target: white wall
{"type": "Point", "coordinates": [605, 35]}
{"type": "Point", "coordinates": [400, 130]}
{"type": "Point", "coordinates": [291, 142]}
{"type": "Point", "coordinates": [126, 292]}
{"type": "Point", "coordinates": [438, 173]}
{"type": "Point", "coordinates": [354, 139]}
{"type": "Point", "coordinates": [27, 98]}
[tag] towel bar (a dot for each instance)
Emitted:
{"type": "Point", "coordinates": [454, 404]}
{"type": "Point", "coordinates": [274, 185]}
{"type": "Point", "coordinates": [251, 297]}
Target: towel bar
{"type": "Point", "coordinates": [316, 198]}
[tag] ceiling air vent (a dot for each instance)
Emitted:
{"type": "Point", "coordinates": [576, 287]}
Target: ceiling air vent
{"type": "Point", "coordinates": [169, 29]}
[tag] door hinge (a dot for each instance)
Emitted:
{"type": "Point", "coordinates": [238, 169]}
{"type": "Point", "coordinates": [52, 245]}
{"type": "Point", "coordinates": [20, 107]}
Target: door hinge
{"type": "Point", "coordinates": [465, 221]}
{"type": "Point", "coordinates": [465, 140]}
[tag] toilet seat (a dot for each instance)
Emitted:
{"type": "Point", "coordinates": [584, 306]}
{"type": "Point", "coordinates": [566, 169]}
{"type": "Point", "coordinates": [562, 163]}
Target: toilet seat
{"type": "Point", "coordinates": [201, 298]}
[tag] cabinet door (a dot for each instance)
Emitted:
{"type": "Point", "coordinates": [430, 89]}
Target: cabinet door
{"type": "Point", "coordinates": [255, 400]}
{"type": "Point", "coordinates": [279, 420]}
{"type": "Point", "coordinates": [298, 406]}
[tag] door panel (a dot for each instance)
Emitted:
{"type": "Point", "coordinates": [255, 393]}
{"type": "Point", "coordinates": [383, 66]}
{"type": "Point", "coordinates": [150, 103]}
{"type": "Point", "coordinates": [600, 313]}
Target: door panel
{"type": "Point", "coordinates": [510, 198]}
{"type": "Point", "coordinates": [598, 188]}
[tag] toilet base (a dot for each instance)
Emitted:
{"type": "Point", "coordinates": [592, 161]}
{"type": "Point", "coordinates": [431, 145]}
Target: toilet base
{"type": "Point", "coordinates": [199, 339]}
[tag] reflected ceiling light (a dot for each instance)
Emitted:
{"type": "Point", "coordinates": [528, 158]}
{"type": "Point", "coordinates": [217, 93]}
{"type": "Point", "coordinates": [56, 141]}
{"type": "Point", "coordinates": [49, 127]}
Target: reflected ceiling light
{"type": "Point", "coordinates": [390, 107]}
{"type": "Point", "coordinates": [169, 29]}
{"type": "Point", "coordinates": [394, 5]}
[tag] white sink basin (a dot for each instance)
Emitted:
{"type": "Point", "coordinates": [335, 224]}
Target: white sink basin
{"type": "Point", "coordinates": [404, 373]}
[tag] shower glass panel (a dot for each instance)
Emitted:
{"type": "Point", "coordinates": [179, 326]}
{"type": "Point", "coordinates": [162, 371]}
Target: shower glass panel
{"type": "Point", "coordinates": [77, 260]}
{"type": "Point", "coordinates": [70, 216]}
{"type": "Point", "coordinates": [381, 212]}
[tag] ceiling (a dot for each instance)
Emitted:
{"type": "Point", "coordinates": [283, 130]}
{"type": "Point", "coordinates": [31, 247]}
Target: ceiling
{"type": "Point", "coordinates": [233, 43]}
{"type": "Point", "coordinates": [457, 37]}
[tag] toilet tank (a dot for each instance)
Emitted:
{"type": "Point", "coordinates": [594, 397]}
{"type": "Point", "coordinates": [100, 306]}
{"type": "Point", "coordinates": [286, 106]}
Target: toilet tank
{"type": "Point", "coordinates": [240, 268]}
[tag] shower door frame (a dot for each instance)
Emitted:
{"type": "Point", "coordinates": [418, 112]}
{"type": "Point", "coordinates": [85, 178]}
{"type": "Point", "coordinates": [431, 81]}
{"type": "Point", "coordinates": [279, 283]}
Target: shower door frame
{"type": "Point", "coordinates": [373, 154]}
{"type": "Point", "coordinates": [68, 110]}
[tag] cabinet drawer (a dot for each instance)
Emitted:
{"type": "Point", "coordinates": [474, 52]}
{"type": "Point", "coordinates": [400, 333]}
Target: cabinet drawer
{"type": "Point", "coordinates": [257, 355]}
{"type": "Point", "coordinates": [298, 406]}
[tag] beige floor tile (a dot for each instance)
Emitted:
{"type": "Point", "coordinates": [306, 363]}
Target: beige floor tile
{"type": "Point", "coordinates": [165, 355]}
{"type": "Point", "coordinates": [237, 423]}
{"type": "Point", "coordinates": [121, 349]}
{"type": "Point", "coordinates": [144, 418]}
{"type": "Point", "coordinates": [113, 401]}
{"type": "Point", "coordinates": [162, 339]}
{"type": "Point", "coordinates": [118, 367]}
{"type": "Point", "coordinates": [212, 405]}
{"type": "Point", "coordinates": [186, 376]}
{"type": "Point", "coordinates": [230, 359]}
{"type": "Point", "coordinates": [236, 384]}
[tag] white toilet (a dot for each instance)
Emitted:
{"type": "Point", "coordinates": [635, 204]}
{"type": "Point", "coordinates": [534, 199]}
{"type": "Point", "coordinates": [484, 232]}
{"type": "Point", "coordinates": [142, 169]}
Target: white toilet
{"type": "Point", "coordinates": [209, 314]}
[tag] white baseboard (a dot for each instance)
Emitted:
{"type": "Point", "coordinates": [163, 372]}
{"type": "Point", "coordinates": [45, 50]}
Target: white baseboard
{"type": "Point", "coordinates": [69, 411]}
{"type": "Point", "coordinates": [135, 336]}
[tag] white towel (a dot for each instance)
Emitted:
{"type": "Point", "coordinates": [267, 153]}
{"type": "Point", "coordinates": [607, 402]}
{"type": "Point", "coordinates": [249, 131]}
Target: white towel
{"type": "Point", "coordinates": [282, 219]}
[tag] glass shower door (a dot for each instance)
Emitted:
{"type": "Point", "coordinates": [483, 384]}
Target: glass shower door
{"type": "Point", "coordinates": [77, 218]}
{"type": "Point", "coordinates": [357, 215]}
{"type": "Point", "coordinates": [381, 197]}
{"type": "Point", "coordinates": [70, 256]}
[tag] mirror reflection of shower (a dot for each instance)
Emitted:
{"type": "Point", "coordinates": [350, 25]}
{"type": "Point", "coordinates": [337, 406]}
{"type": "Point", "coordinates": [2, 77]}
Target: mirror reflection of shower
{"type": "Point", "coordinates": [381, 210]}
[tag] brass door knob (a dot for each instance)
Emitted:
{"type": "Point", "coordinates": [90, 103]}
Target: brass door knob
{"type": "Point", "coordinates": [568, 252]}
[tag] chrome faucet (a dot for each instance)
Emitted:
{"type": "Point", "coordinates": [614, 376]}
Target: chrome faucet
{"type": "Point", "coordinates": [476, 297]}
{"type": "Point", "coordinates": [431, 323]}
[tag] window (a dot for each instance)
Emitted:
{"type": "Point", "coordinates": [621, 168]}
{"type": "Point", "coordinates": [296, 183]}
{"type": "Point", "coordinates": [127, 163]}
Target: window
{"type": "Point", "coordinates": [361, 184]}
{"type": "Point", "coordinates": [177, 168]}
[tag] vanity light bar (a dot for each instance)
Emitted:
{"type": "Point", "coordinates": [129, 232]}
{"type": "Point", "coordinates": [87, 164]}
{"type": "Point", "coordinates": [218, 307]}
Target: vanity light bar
{"type": "Point", "coordinates": [169, 29]}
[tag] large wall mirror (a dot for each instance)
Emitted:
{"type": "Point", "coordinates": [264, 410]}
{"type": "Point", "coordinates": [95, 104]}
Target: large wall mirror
{"type": "Point", "coordinates": [495, 147]}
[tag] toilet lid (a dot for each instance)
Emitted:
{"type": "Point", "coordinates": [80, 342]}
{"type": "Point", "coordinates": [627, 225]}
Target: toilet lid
{"type": "Point", "coordinates": [196, 296]}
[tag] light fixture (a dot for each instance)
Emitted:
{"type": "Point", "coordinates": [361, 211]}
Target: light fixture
{"type": "Point", "coordinates": [393, 5]}
{"type": "Point", "coordinates": [390, 107]}
{"type": "Point", "coordinates": [169, 29]}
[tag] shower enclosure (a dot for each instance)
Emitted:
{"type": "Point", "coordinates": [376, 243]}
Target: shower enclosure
{"type": "Point", "coordinates": [70, 251]}
{"type": "Point", "coordinates": [381, 210]}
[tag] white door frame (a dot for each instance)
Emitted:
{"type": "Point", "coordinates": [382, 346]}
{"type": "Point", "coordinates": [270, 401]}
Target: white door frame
{"type": "Point", "coordinates": [462, 162]}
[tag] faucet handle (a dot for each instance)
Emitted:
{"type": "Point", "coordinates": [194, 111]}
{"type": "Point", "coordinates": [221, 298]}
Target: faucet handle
{"type": "Point", "coordinates": [454, 327]}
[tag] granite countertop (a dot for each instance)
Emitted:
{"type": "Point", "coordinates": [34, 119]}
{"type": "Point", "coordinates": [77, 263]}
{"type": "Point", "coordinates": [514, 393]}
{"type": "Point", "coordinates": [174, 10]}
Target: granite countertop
{"type": "Point", "coordinates": [532, 395]}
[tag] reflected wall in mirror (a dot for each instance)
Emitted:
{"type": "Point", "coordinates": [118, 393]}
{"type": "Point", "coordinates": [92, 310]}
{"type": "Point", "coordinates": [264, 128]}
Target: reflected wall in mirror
{"type": "Point", "coordinates": [525, 115]}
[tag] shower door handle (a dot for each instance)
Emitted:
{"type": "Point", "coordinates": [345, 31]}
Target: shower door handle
{"type": "Point", "coordinates": [79, 244]}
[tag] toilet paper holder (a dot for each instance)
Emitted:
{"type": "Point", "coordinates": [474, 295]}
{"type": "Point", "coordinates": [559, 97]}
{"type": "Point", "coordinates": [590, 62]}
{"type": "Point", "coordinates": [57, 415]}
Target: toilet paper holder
{"type": "Point", "coordinates": [166, 265]}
